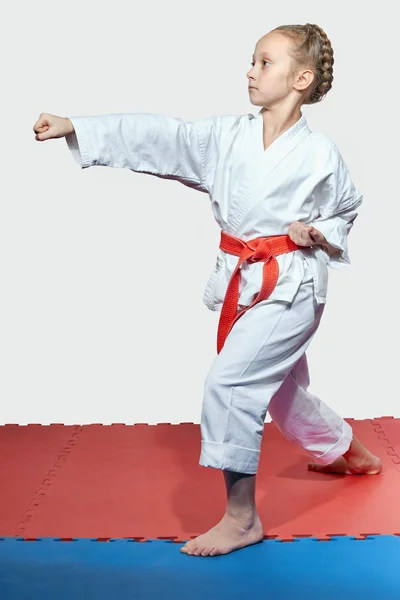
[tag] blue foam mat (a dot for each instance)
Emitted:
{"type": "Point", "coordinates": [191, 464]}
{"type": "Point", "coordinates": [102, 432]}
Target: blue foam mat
{"type": "Point", "coordinates": [305, 569]}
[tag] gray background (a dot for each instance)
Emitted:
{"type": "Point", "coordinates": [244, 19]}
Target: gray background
{"type": "Point", "coordinates": [83, 336]}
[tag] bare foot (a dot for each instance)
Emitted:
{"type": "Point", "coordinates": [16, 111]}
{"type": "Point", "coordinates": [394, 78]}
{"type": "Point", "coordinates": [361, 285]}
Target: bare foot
{"type": "Point", "coordinates": [339, 466]}
{"type": "Point", "coordinates": [230, 534]}
{"type": "Point", "coordinates": [356, 461]}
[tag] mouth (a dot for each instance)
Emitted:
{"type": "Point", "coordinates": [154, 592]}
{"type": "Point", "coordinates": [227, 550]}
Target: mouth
{"type": "Point", "coordinates": [252, 88]}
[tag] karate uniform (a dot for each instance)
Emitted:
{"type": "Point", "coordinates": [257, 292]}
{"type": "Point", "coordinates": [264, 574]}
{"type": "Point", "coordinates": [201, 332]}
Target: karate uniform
{"type": "Point", "coordinates": [253, 193]}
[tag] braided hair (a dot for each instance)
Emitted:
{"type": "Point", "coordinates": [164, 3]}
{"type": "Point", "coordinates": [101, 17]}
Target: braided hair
{"type": "Point", "coordinates": [311, 47]}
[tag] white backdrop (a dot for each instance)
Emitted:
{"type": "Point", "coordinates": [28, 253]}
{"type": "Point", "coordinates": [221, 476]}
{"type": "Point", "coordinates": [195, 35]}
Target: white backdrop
{"type": "Point", "coordinates": [88, 333]}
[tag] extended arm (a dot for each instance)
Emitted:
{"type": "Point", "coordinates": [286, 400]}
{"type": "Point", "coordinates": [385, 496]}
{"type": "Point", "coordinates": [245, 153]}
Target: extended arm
{"type": "Point", "coordinates": [155, 144]}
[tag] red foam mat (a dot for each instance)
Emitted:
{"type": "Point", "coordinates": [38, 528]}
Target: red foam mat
{"type": "Point", "coordinates": [388, 431]}
{"type": "Point", "coordinates": [29, 460]}
{"type": "Point", "coordinates": [145, 482]}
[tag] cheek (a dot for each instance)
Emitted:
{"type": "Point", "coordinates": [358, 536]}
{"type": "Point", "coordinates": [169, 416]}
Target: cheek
{"type": "Point", "coordinates": [275, 82]}
{"type": "Point", "coordinates": [283, 79]}
{"type": "Point", "coordinates": [277, 77]}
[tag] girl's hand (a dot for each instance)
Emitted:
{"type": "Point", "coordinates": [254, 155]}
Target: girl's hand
{"type": "Point", "coordinates": [305, 235]}
{"type": "Point", "coordinates": [48, 127]}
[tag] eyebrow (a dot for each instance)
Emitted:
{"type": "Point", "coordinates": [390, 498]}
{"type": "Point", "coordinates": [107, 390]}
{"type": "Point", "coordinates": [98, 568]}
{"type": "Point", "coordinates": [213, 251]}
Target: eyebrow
{"type": "Point", "coordinates": [266, 54]}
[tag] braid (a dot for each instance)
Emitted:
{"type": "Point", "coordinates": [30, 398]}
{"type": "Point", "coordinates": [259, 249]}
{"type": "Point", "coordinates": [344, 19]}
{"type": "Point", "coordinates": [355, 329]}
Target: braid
{"type": "Point", "coordinates": [324, 67]}
{"type": "Point", "coordinates": [312, 47]}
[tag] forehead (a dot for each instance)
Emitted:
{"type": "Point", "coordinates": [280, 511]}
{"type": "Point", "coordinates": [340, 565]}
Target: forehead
{"type": "Point", "coordinates": [273, 45]}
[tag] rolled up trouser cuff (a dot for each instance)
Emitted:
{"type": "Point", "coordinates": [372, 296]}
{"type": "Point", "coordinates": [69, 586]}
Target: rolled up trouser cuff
{"type": "Point", "coordinates": [341, 446]}
{"type": "Point", "coordinates": [229, 458]}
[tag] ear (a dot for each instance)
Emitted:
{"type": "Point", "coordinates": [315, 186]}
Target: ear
{"type": "Point", "coordinates": [303, 79]}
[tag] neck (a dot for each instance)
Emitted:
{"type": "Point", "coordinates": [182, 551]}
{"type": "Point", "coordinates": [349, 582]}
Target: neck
{"type": "Point", "coordinates": [278, 120]}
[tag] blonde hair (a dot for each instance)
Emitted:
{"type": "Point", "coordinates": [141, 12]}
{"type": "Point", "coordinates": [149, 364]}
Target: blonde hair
{"type": "Point", "coordinates": [311, 48]}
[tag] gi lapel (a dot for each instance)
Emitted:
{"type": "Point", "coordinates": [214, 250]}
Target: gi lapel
{"type": "Point", "coordinates": [270, 158]}
{"type": "Point", "coordinates": [262, 163]}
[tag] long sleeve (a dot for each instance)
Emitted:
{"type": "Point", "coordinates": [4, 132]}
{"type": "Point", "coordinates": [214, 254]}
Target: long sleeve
{"type": "Point", "coordinates": [159, 145]}
{"type": "Point", "coordinates": [338, 202]}
{"type": "Point", "coordinates": [336, 229]}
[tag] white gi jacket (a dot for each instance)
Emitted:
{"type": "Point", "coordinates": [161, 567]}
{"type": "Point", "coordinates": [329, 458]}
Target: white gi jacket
{"type": "Point", "coordinates": [253, 193]}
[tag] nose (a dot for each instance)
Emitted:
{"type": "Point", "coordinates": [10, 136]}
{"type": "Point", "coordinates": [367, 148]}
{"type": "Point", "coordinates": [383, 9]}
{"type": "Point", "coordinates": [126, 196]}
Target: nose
{"type": "Point", "coordinates": [249, 72]}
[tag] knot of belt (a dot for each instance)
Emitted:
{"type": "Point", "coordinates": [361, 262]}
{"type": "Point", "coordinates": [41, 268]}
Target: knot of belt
{"type": "Point", "coordinates": [261, 249]}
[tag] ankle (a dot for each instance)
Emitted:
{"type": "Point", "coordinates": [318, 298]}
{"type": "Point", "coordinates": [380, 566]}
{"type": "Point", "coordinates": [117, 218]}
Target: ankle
{"type": "Point", "coordinates": [246, 515]}
{"type": "Point", "coordinates": [355, 451]}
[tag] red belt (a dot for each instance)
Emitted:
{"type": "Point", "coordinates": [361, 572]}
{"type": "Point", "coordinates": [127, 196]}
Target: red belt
{"type": "Point", "coordinates": [261, 249]}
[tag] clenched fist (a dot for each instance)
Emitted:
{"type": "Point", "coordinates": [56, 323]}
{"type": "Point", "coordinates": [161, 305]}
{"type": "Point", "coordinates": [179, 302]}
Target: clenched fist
{"type": "Point", "coordinates": [305, 235]}
{"type": "Point", "coordinates": [48, 127]}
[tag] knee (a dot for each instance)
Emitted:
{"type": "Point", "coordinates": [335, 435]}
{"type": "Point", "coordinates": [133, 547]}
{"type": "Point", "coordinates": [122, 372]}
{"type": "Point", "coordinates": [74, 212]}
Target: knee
{"type": "Point", "coordinates": [216, 404]}
{"type": "Point", "coordinates": [216, 391]}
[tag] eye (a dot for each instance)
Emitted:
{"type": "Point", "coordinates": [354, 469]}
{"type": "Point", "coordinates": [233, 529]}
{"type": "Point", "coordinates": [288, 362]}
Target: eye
{"type": "Point", "coordinates": [264, 61]}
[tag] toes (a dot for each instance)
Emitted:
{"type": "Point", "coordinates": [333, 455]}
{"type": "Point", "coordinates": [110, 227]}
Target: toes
{"type": "Point", "coordinates": [338, 467]}
{"type": "Point", "coordinates": [319, 468]}
{"type": "Point", "coordinates": [187, 548]}
{"type": "Point", "coordinates": [194, 549]}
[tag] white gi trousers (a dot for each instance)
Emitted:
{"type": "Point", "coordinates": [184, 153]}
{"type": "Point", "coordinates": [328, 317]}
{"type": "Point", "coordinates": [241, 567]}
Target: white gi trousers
{"type": "Point", "coordinates": [263, 366]}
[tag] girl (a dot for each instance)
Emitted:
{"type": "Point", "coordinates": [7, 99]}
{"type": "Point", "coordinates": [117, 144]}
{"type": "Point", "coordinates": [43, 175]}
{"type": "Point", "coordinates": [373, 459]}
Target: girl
{"type": "Point", "coordinates": [285, 203]}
